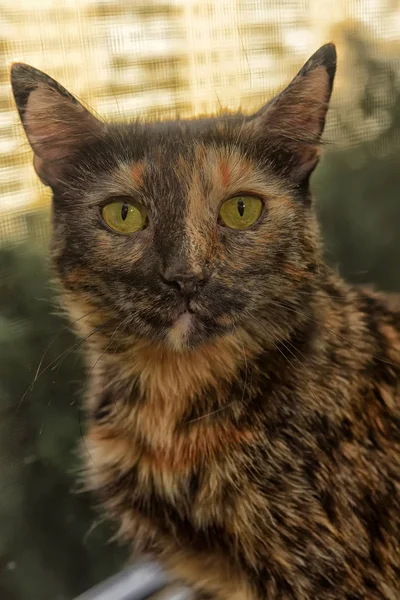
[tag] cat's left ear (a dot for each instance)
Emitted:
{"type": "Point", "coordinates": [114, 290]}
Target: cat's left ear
{"type": "Point", "coordinates": [56, 124]}
{"type": "Point", "coordinates": [292, 123]}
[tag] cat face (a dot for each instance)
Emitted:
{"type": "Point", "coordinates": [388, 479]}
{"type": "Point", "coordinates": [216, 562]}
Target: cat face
{"type": "Point", "coordinates": [180, 231]}
{"type": "Point", "coordinates": [186, 276]}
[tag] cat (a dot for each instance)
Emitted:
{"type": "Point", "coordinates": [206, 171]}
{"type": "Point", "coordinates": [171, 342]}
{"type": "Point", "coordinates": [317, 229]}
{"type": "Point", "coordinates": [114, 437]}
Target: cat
{"type": "Point", "coordinates": [243, 411]}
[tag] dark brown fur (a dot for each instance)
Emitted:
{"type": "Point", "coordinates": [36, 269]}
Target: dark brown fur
{"type": "Point", "coordinates": [255, 451]}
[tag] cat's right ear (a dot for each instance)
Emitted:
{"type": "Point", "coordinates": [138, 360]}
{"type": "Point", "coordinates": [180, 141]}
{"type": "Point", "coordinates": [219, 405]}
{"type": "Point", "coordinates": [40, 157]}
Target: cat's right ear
{"type": "Point", "coordinates": [56, 124]}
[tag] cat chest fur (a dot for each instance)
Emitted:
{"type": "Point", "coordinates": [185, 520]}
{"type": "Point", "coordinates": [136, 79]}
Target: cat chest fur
{"type": "Point", "coordinates": [152, 439]}
{"type": "Point", "coordinates": [208, 485]}
{"type": "Point", "coordinates": [152, 460]}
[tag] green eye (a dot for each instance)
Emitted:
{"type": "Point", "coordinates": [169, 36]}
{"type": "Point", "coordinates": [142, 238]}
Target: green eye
{"type": "Point", "coordinates": [241, 212]}
{"type": "Point", "coordinates": [124, 217]}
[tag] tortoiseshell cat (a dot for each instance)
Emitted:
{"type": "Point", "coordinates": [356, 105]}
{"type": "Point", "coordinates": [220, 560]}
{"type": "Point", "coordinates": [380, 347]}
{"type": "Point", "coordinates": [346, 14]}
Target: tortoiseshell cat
{"type": "Point", "coordinates": [244, 406]}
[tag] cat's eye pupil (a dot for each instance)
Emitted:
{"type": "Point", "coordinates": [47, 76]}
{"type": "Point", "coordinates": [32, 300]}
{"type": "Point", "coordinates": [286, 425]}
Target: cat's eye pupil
{"type": "Point", "coordinates": [240, 212]}
{"type": "Point", "coordinates": [124, 211]}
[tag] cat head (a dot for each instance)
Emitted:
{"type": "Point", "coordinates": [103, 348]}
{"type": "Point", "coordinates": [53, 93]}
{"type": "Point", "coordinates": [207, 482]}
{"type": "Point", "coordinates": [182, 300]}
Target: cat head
{"type": "Point", "coordinates": [180, 231]}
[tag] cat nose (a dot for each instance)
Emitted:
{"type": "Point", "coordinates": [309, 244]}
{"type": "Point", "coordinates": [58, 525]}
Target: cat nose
{"type": "Point", "coordinates": [182, 278]}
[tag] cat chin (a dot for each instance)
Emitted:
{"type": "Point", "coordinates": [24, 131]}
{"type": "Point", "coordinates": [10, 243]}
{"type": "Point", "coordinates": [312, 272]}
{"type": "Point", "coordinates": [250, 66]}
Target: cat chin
{"type": "Point", "coordinates": [178, 336]}
{"type": "Point", "coordinates": [189, 331]}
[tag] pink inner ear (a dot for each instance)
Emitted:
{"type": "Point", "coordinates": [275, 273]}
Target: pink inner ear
{"type": "Point", "coordinates": [312, 103]}
{"type": "Point", "coordinates": [295, 119]}
{"type": "Point", "coordinates": [49, 172]}
{"type": "Point", "coordinates": [302, 107]}
{"type": "Point", "coordinates": [307, 161]}
{"type": "Point", "coordinates": [55, 125]}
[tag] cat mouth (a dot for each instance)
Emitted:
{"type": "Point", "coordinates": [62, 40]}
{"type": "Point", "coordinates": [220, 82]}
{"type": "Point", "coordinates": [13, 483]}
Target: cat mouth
{"type": "Point", "coordinates": [187, 307]}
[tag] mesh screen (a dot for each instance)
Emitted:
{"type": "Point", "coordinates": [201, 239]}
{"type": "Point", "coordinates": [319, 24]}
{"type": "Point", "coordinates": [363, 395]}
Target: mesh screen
{"type": "Point", "coordinates": [159, 58]}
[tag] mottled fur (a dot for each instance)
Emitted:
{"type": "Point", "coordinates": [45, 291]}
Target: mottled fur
{"type": "Point", "coordinates": [252, 444]}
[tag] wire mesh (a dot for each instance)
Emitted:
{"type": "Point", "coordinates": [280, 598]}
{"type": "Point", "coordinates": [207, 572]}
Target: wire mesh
{"type": "Point", "coordinates": [159, 58]}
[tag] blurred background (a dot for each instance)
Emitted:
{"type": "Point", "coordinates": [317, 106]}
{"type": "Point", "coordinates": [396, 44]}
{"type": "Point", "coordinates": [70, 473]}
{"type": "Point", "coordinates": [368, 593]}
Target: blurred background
{"type": "Point", "coordinates": [160, 58]}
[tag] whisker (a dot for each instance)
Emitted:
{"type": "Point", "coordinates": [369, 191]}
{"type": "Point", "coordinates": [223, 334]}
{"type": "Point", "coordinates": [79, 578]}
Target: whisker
{"type": "Point", "coordinates": [114, 338]}
{"type": "Point", "coordinates": [286, 344]}
{"type": "Point", "coordinates": [63, 329]}
{"type": "Point", "coordinates": [276, 346]}
{"type": "Point", "coordinates": [122, 324]}
{"type": "Point", "coordinates": [226, 406]}
{"type": "Point", "coordinates": [63, 355]}
{"type": "Point", "coordinates": [324, 296]}
{"type": "Point", "coordinates": [221, 408]}
{"type": "Point", "coordinates": [320, 324]}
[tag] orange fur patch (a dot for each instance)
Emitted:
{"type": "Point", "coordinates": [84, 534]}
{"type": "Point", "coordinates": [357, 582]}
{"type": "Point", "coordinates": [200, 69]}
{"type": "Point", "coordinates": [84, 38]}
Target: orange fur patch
{"type": "Point", "coordinates": [168, 382]}
{"type": "Point", "coordinates": [225, 172]}
{"type": "Point", "coordinates": [137, 173]}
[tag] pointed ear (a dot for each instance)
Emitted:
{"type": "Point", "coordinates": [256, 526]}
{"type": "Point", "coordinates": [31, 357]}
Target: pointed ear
{"type": "Point", "coordinates": [293, 121]}
{"type": "Point", "coordinates": [56, 124]}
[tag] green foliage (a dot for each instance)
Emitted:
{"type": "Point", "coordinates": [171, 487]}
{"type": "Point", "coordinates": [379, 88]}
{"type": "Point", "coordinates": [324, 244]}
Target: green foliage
{"type": "Point", "coordinates": [47, 548]}
{"type": "Point", "coordinates": [357, 188]}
